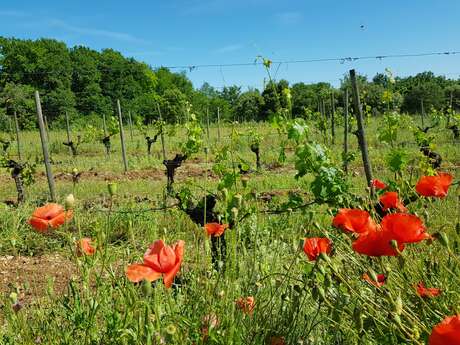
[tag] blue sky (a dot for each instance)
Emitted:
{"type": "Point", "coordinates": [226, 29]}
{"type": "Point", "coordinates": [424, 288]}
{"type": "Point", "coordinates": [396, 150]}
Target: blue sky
{"type": "Point", "coordinates": [191, 32]}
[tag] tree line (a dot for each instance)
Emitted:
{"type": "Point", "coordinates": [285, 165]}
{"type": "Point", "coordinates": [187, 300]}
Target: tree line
{"type": "Point", "coordinates": [86, 83]}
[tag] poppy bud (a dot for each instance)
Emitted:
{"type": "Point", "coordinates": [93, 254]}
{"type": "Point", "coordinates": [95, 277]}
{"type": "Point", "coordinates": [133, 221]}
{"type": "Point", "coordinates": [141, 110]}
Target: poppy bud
{"type": "Point", "coordinates": [415, 333]}
{"type": "Point", "coordinates": [394, 245]}
{"type": "Point", "coordinates": [442, 237]}
{"type": "Point", "coordinates": [316, 225]}
{"type": "Point", "coordinates": [238, 200]}
{"type": "Point", "coordinates": [13, 297]}
{"type": "Point", "coordinates": [398, 305]}
{"type": "Point", "coordinates": [373, 275]}
{"type": "Point", "coordinates": [74, 171]}
{"type": "Point", "coordinates": [146, 288]}
{"type": "Point", "coordinates": [224, 192]}
{"type": "Point", "coordinates": [244, 180]}
{"type": "Point", "coordinates": [112, 187]}
{"type": "Point", "coordinates": [69, 202]}
{"type": "Point", "coordinates": [234, 211]}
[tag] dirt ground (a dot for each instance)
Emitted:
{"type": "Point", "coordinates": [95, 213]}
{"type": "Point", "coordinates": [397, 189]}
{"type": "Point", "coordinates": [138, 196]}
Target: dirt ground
{"type": "Point", "coordinates": [31, 277]}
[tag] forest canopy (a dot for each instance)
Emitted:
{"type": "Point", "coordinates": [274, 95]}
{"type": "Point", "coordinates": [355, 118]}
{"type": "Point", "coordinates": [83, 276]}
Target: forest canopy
{"type": "Point", "coordinates": [86, 83]}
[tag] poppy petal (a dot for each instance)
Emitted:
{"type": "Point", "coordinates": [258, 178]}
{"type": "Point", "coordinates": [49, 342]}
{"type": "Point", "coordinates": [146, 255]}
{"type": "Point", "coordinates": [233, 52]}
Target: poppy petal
{"type": "Point", "coordinates": [405, 228]}
{"type": "Point", "coordinates": [138, 272]}
{"type": "Point", "coordinates": [39, 224]}
{"type": "Point", "coordinates": [447, 332]}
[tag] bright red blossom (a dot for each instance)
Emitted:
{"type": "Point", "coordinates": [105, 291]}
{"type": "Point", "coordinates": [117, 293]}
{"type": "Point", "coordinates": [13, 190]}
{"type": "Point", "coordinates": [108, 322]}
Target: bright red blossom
{"type": "Point", "coordinates": [215, 229]}
{"type": "Point", "coordinates": [391, 201]}
{"type": "Point", "coordinates": [84, 247]}
{"type": "Point", "coordinates": [377, 184]}
{"type": "Point", "coordinates": [447, 332]}
{"type": "Point", "coordinates": [423, 291]}
{"type": "Point", "coordinates": [381, 279]}
{"type": "Point", "coordinates": [434, 186]}
{"type": "Point", "coordinates": [353, 220]}
{"type": "Point", "coordinates": [159, 260]}
{"type": "Point", "coordinates": [376, 243]}
{"type": "Point", "coordinates": [404, 228]}
{"type": "Point", "coordinates": [316, 245]}
{"type": "Point", "coordinates": [49, 216]}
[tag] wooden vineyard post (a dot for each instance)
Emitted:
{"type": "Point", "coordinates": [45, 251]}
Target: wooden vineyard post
{"type": "Point", "coordinates": [207, 123]}
{"type": "Point", "coordinates": [43, 138]}
{"type": "Point", "coordinates": [69, 138]}
{"type": "Point", "coordinates": [333, 118]}
{"type": "Point", "coordinates": [130, 125]}
{"type": "Point", "coordinates": [361, 133]}
{"type": "Point", "coordinates": [218, 123]}
{"type": "Point", "coordinates": [345, 134]}
{"type": "Point", "coordinates": [161, 133]}
{"type": "Point", "coordinates": [18, 141]}
{"type": "Point", "coordinates": [323, 120]}
{"type": "Point", "coordinates": [122, 136]}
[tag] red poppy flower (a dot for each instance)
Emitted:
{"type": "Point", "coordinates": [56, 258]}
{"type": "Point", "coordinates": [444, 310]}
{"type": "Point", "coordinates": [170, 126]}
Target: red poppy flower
{"type": "Point", "coordinates": [159, 260]}
{"type": "Point", "coordinates": [316, 245]}
{"type": "Point", "coordinates": [49, 216]}
{"type": "Point", "coordinates": [379, 185]}
{"type": "Point", "coordinates": [84, 247]}
{"type": "Point", "coordinates": [423, 291]}
{"type": "Point", "coordinates": [215, 229]}
{"type": "Point", "coordinates": [353, 220]}
{"type": "Point", "coordinates": [404, 228]}
{"type": "Point", "coordinates": [246, 304]}
{"type": "Point", "coordinates": [434, 186]}
{"type": "Point", "coordinates": [376, 243]}
{"type": "Point", "coordinates": [381, 279]}
{"type": "Point", "coordinates": [391, 201]}
{"type": "Point", "coordinates": [447, 332]}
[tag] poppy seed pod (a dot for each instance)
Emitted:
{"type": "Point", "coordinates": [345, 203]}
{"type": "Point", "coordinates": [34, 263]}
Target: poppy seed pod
{"type": "Point", "coordinates": [112, 187]}
{"type": "Point", "coordinates": [69, 202]}
{"type": "Point", "coordinates": [234, 211]}
{"type": "Point", "coordinates": [244, 180]}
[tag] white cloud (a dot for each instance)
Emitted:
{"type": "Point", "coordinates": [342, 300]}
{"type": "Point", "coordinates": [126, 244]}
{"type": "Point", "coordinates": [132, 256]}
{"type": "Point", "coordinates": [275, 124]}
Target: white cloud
{"type": "Point", "coordinates": [119, 36]}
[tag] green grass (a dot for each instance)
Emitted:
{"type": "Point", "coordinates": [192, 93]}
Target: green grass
{"type": "Point", "coordinates": [303, 302]}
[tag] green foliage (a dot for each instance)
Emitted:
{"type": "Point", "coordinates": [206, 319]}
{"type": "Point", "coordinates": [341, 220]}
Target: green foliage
{"type": "Point", "coordinates": [397, 160]}
{"type": "Point", "coordinates": [388, 133]}
{"type": "Point", "coordinates": [194, 140]}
